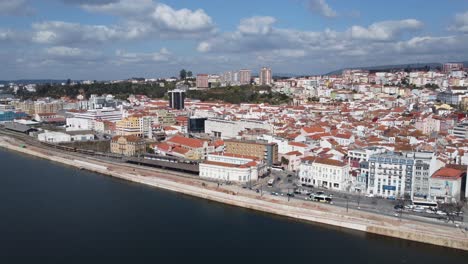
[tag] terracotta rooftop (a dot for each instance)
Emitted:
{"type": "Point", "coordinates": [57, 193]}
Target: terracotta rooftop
{"type": "Point", "coordinates": [184, 141]}
{"type": "Point", "coordinates": [448, 173]}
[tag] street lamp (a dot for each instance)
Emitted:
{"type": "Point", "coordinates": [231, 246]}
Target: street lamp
{"type": "Point", "coordinates": [347, 203]}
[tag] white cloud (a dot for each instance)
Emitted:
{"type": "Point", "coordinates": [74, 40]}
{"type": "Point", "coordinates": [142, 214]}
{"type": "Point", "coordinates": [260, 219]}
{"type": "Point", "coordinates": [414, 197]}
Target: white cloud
{"type": "Point", "coordinates": [256, 25]}
{"type": "Point", "coordinates": [385, 30]}
{"type": "Point", "coordinates": [321, 7]}
{"type": "Point", "coordinates": [64, 33]}
{"type": "Point", "coordinates": [461, 22]}
{"type": "Point", "coordinates": [119, 7]}
{"type": "Point", "coordinates": [163, 55]}
{"type": "Point", "coordinates": [15, 7]}
{"type": "Point", "coordinates": [182, 20]}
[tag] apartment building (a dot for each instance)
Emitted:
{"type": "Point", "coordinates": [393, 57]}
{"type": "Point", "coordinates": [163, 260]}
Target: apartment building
{"type": "Point", "coordinates": [326, 173]}
{"type": "Point", "coordinates": [261, 150]}
{"type": "Point", "coordinates": [391, 175]}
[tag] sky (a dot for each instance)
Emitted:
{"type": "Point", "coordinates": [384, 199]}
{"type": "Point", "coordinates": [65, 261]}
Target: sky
{"type": "Point", "coordinates": [119, 39]}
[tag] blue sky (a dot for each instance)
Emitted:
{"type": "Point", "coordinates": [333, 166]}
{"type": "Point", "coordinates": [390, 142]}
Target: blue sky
{"type": "Point", "coordinates": [117, 39]}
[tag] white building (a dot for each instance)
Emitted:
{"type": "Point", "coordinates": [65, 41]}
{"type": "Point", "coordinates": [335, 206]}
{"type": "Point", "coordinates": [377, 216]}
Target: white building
{"type": "Point", "coordinates": [391, 175]}
{"type": "Point", "coordinates": [54, 137]}
{"type": "Point", "coordinates": [229, 167]}
{"type": "Point", "coordinates": [58, 137]}
{"type": "Point", "coordinates": [327, 173]}
{"type": "Point", "coordinates": [225, 129]}
{"type": "Point", "coordinates": [446, 185]}
{"type": "Point", "coordinates": [84, 120]}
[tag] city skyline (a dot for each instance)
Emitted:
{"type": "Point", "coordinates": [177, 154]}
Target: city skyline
{"type": "Point", "coordinates": [117, 39]}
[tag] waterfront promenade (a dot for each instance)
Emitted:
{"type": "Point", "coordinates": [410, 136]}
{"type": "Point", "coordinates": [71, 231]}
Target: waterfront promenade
{"type": "Point", "coordinates": [303, 210]}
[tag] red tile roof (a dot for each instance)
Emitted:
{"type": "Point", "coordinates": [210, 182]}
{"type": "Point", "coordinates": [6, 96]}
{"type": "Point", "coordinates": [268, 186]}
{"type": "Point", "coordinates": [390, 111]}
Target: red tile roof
{"type": "Point", "coordinates": [448, 173]}
{"type": "Point", "coordinates": [188, 142]}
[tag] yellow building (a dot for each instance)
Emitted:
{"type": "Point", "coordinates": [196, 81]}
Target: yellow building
{"type": "Point", "coordinates": [130, 126]}
{"type": "Point", "coordinates": [128, 145]}
{"type": "Point", "coordinates": [261, 150]}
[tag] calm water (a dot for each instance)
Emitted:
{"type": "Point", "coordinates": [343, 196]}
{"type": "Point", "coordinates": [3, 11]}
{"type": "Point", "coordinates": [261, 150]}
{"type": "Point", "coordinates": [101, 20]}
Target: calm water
{"type": "Point", "coordinates": [50, 213]}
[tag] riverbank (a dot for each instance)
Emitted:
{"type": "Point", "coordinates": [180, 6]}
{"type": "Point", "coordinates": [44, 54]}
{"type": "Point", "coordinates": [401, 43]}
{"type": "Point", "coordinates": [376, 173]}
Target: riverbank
{"type": "Point", "coordinates": [303, 210]}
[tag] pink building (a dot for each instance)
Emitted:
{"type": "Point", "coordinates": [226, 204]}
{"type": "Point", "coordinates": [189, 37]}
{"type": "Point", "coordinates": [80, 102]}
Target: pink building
{"type": "Point", "coordinates": [202, 80]}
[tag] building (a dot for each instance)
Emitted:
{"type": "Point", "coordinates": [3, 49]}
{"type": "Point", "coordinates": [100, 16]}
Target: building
{"type": "Point", "coordinates": [202, 81]}
{"type": "Point", "coordinates": [196, 124]}
{"type": "Point", "coordinates": [461, 131]}
{"type": "Point", "coordinates": [446, 185]}
{"type": "Point", "coordinates": [326, 173]}
{"type": "Point", "coordinates": [128, 145]}
{"type": "Point", "coordinates": [449, 67]}
{"type": "Point", "coordinates": [391, 175]}
{"type": "Point", "coordinates": [265, 76]}
{"type": "Point", "coordinates": [8, 116]}
{"type": "Point", "coordinates": [137, 126]}
{"type": "Point", "coordinates": [235, 168]}
{"type": "Point", "coordinates": [245, 76]}
{"type": "Point", "coordinates": [188, 148]}
{"type": "Point", "coordinates": [261, 150]}
{"type": "Point", "coordinates": [425, 164]}
{"type": "Point", "coordinates": [85, 119]}
{"type": "Point", "coordinates": [226, 129]}
{"type": "Point", "coordinates": [176, 99]}
{"type": "Point", "coordinates": [59, 137]}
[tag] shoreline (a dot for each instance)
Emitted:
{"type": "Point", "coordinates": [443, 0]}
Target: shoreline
{"type": "Point", "coordinates": [450, 237]}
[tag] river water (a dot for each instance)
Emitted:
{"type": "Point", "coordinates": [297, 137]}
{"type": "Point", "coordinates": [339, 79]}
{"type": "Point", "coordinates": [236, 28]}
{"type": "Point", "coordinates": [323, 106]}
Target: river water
{"type": "Point", "coordinates": [50, 213]}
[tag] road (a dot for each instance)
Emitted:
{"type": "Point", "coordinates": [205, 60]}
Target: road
{"type": "Point", "coordinates": [285, 182]}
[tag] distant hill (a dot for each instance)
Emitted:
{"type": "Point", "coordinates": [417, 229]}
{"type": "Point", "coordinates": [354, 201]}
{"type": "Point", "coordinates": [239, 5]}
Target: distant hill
{"type": "Point", "coordinates": [27, 81]}
{"type": "Point", "coordinates": [412, 66]}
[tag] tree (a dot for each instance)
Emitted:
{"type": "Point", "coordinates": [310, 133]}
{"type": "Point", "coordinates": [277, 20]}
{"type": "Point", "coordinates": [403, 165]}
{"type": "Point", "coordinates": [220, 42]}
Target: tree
{"type": "Point", "coordinates": [284, 161]}
{"type": "Point", "coordinates": [183, 74]}
{"type": "Point", "coordinates": [189, 74]}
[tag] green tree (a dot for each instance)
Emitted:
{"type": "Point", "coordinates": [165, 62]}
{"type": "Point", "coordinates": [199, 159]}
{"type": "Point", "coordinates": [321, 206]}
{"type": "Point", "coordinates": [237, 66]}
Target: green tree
{"type": "Point", "coordinates": [183, 74]}
{"type": "Point", "coordinates": [189, 74]}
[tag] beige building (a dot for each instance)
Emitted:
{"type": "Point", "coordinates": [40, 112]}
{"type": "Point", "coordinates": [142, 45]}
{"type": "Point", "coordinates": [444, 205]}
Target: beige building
{"type": "Point", "coordinates": [261, 150]}
{"type": "Point", "coordinates": [128, 145]}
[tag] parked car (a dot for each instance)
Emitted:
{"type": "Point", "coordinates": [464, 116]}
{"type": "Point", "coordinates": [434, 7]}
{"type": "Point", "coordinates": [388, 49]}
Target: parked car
{"type": "Point", "coordinates": [398, 207]}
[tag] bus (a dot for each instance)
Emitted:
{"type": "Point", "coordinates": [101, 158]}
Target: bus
{"type": "Point", "coordinates": [424, 204]}
{"type": "Point", "coordinates": [270, 182]}
{"type": "Point", "coordinates": [322, 198]}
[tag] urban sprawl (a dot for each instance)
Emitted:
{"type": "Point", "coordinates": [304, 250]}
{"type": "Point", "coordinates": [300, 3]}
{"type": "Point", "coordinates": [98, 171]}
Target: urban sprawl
{"type": "Point", "coordinates": [399, 135]}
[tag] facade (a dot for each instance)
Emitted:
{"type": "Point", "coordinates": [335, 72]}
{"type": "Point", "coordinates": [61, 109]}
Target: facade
{"type": "Point", "coordinates": [260, 150]}
{"type": "Point", "coordinates": [38, 107]}
{"type": "Point", "coordinates": [128, 145]}
{"type": "Point", "coordinates": [176, 99]}
{"type": "Point", "coordinates": [8, 116]}
{"type": "Point", "coordinates": [449, 67]}
{"type": "Point", "coordinates": [428, 124]}
{"type": "Point", "coordinates": [58, 137]}
{"type": "Point", "coordinates": [265, 76]}
{"type": "Point", "coordinates": [245, 76]}
{"type": "Point", "coordinates": [226, 129]}
{"type": "Point", "coordinates": [85, 119]}
{"type": "Point", "coordinates": [196, 124]}
{"type": "Point", "coordinates": [202, 80]}
{"type": "Point", "coordinates": [461, 131]}
{"type": "Point", "coordinates": [233, 168]}
{"type": "Point", "coordinates": [425, 164]}
{"type": "Point", "coordinates": [136, 126]}
{"type": "Point", "coordinates": [391, 175]}
{"type": "Point", "coordinates": [326, 173]}
{"type": "Point", "coordinates": [446, 185]}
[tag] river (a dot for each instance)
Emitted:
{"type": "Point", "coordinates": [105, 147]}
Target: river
{"type": "Point", "coordinates": [50, 213]}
